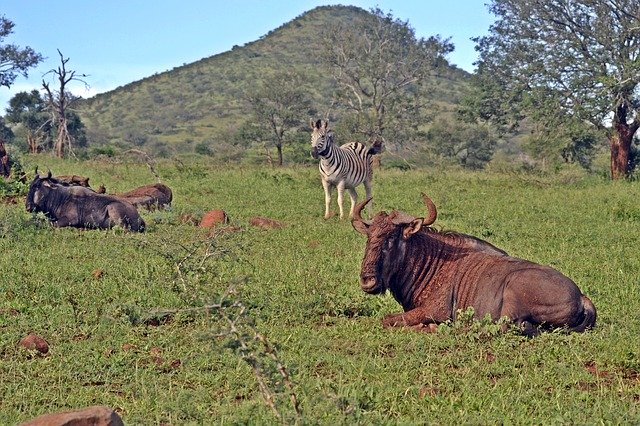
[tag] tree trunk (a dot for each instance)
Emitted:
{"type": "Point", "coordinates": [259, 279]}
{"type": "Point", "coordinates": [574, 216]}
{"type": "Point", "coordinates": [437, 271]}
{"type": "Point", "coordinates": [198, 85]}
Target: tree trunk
{"type": "Point", "coordinates": [621, 149]}
{"type": "Point", "coordinates": [619, 157]}
{"type": "Point", "coordinates": [279, 155]}
{"type": "Point", "coordinates": [267, 154]}
{"type": "Point", "coordinates": [32, 141]}
{"type": "Point", "coordinates": [62, 138]}
{"type": "Point", "coordinates": [621, 140]}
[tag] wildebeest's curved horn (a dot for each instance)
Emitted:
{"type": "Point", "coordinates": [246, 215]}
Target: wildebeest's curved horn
{"type": "Point", "coordinates": [357, 214]}
{"type": "Point", "coordinates": [432, 213]}
{"type": "Point", "coordinates": [49, 174]}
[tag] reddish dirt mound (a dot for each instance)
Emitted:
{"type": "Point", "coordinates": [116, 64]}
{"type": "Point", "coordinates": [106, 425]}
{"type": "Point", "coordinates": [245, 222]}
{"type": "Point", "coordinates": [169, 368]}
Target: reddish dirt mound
{"type": "Point", "coordinates": [264, 222]}
{"type": "Point", "coordinates": [35, 342]}
{"type": "Point", "coordinates": [213, 218]}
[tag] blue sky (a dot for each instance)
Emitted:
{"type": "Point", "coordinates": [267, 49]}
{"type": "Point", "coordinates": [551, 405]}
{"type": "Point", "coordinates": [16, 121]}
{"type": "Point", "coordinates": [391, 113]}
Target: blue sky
{"type": "Point", "coordinates": [116, 42]}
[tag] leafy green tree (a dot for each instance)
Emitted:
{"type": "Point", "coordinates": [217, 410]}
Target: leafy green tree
{"type": "Point", "coordinates": [29, 110]}
{"type": "Point", "coordinates": [279, 105]}
{"type": "Point", "coordinates": [556, 59]}
{"type": "Point", "coordinates": [255, 134]}
{"type": "Point", "coordinates": [5, 132]}
{"type": "Point", "coordinates": [563, 140]}
{"type": "Point", "coordinates": [381, 69]}
{"type": "Point", "coordinates": [76, 129]}
{"type": "Point", "coordinates": [472, 146]}
{"type": "Point", "coordinates": [13, 59]}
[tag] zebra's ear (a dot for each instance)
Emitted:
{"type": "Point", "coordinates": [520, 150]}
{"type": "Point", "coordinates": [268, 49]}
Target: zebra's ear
{"type": "Point", "coordinates": [312, 123]}
{"type": "Point", "coordinates": [325, 124]}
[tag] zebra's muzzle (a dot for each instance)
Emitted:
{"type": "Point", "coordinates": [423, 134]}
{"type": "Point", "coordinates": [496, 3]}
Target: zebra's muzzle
{"type": "Point", "coordinates": [314, 152]}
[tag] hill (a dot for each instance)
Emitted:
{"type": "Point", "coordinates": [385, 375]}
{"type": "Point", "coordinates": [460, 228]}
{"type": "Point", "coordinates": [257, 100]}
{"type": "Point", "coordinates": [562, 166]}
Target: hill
{"type": "Point", "coordinates": [202, 102]}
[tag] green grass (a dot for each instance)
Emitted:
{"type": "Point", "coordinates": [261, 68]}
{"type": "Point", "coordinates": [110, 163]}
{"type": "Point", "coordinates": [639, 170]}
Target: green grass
{"type": "Point", "coordinates": [299, 285]}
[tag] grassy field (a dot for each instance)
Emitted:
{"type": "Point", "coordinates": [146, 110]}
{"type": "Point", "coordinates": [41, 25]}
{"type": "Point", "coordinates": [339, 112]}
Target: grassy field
{"type": "Point", "coordinates": [181, 325]}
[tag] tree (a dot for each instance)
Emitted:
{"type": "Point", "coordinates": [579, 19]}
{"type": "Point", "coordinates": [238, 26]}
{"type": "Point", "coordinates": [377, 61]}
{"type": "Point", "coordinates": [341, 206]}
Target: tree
{"type": "Point", "coordinates": [60, 103]}
{"type": "Point", "coordinates": [381, 69]}
{"type": "Point", "coordinates": [279, 105]}
{"type": "Point", "coordinates": [471, 145]}
{"type": "Point", "coordinates": [29, 109]}
{"type": "Point", "coordinates": [5, 132]}
{"type": "Point", "coordinates": [13, 59]}
{"type": "Point", "coordinates": [560, 60]}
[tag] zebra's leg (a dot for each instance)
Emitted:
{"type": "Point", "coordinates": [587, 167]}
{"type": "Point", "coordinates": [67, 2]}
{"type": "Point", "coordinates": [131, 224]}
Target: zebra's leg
{"type": "Point", "coordinates": [341, 198]}
{"type": "Point", "coordinates": [354, 200]}
{"type": "Point", "coordinates": [327, 198]}
{"type": "Point", "coordinates": [367, 190]}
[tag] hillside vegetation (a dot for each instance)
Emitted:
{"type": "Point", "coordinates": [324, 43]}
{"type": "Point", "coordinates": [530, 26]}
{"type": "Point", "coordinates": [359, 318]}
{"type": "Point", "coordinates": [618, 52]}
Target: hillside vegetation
{"type": "Point", "coordinates": [124, 313]}
{"type": "Point", "coordinates": [202, 102]}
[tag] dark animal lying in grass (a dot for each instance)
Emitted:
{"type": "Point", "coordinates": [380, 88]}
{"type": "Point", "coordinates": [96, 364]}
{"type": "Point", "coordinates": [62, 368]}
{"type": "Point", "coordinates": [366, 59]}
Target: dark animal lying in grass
{"type": "Point", "coordinates": [152, 196]}
{"type": "Point", "coordinates": [80, 207]}
{"type": "Point", "coordinates": [73, 180]}
{"type": "Point", "coordinates": [433, 274]}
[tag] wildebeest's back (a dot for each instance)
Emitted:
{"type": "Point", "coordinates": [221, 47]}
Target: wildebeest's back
{"type": "Point", "coordinates": [459, 280]}
{"type": "Point", "coordinates": [87, 209]}
{"type": "Point", "coordinates": [480, 280]}
{"type": "Point", "coordinates": [501, 285]}
{"type": "Point", "coordinates": [149, 196]}
{"type": "Point", "coordinates": [81, 207]}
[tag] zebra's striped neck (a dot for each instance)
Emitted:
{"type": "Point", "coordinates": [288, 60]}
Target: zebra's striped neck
{"type": "Point", "coordinates": [328, 150]}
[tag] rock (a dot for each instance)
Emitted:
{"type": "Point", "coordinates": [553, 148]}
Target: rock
{"type": "Point", "coordinates": [92, 416]}
{"type": "Point", "coordinates": [213, 218]}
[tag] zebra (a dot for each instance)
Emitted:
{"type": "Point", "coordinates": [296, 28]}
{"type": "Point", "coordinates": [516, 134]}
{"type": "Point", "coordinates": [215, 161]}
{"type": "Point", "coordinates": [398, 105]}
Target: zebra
{"type": "Point", "coordinates": [344, 167]}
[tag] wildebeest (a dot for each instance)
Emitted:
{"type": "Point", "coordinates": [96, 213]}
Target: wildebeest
{"type": "Point", "coordinates": [73, 180]}
{"type": "Point", "coordinates": [152, 196]}
{"type": "Point", "coordinates": [80, 207]}
{"type": "Point", "coordinates": [432, 274]}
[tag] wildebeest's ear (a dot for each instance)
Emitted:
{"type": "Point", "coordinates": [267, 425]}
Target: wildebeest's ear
{"type": "Point", "coordinates": [411, 228]}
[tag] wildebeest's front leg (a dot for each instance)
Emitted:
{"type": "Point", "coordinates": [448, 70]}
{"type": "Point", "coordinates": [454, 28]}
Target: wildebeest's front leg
{"type": "Point", "coordinates": [424, 315]}
{"type": "Point", "coordinates": [61, 223]}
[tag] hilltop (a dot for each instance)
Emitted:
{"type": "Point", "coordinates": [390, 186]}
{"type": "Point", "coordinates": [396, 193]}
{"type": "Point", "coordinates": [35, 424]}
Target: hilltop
{"type": "Point", "coordinates": [202, 102]}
